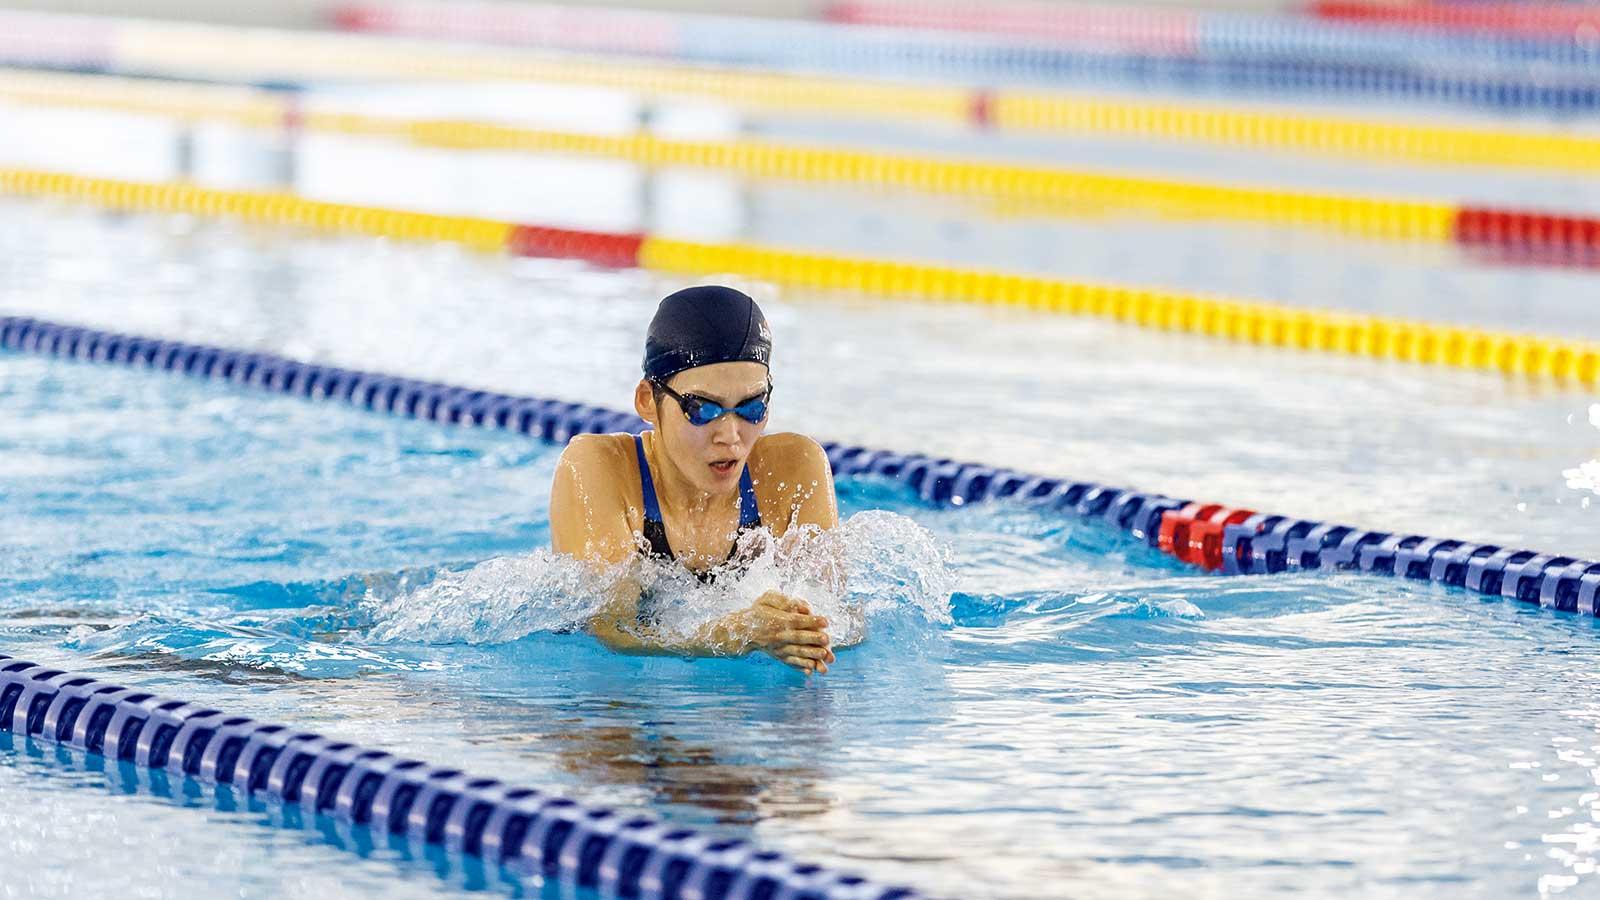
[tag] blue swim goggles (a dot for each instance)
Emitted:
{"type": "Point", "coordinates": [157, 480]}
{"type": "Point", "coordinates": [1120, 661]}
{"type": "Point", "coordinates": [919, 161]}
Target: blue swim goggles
{"type": "Point", "coordinates": [700, 411]}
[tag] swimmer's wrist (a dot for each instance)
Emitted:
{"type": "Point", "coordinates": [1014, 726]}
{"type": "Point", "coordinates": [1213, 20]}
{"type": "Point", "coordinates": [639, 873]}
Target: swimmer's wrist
{"type": "Point", "coordinates": [727, 636]}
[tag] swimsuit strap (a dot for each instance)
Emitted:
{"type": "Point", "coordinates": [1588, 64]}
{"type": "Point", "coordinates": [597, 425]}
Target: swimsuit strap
{"type": "Point", "coordinates": [655, 530]}
{"type": "Point", "coordinates": [749, 510]}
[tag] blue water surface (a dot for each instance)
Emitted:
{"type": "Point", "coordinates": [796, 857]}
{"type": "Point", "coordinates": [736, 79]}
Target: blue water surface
{"type": "Point", "coordinates": [1042, 708]}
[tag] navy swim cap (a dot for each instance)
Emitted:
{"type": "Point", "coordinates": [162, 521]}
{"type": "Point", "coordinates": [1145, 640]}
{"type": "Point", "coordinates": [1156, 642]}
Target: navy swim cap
{"type": "Point", "coordinates": [702, 325]}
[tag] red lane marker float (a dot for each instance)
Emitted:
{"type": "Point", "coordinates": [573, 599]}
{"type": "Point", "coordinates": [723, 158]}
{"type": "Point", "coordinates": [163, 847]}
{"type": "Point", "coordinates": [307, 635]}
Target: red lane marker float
{"type": "Point", "coordinates": [618, 251]}
{"type": "Point", "coordinates": [1513, 236]}
{"type": "Point", "coordinates": [1574, 21]}
{"type": "Point", "coordinates": [983, 108]}
{"type": "Point", "coordinates": [1194, 534]}
{"type": "Point", "coordinates": [1099, 27]}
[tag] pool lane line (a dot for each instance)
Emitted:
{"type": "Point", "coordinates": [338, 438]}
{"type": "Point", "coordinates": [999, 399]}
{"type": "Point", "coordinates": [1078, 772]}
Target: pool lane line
{"type": "Point", "coordinates": [1235, 51]}
{"type": "Point", "coordinates": [1565, 22]}
{"type": "Point", "coordinates": [1334, 30]}
{"type": "Point", "coordinates": [284, 57]}
{"type": "Point", "coordinates": [1044, 189]}
{"type": "Point", "coordinates": [1016, 34]}
{"type": "Point", "coordinates": [531, 832]}
{"type": "Point", "coordinates": [1212, 537]}
{"type": "Point", "coordinates": [119, 779]}
{"type": "Point", "coordinates": [1575, 361]}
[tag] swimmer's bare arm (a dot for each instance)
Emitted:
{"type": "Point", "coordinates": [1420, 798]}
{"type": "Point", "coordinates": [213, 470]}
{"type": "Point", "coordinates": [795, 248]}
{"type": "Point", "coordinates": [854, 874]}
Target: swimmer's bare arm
{"type": "Point", "coordinates": [773, 624]}
{"type": "Point", "coordinates": [799, 468]}
{"type": "Point", "coordinates": [588, 521]}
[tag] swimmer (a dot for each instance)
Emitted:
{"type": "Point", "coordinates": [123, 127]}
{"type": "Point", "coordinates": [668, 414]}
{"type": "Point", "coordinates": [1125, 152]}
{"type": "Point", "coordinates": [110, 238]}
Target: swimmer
{"type": "Point", "coordinates": [703, 475]}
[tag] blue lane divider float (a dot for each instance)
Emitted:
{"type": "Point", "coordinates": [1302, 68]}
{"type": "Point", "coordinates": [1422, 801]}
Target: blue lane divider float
{"type": "Point", "coordinates": [961, 32]}
{"type": "Point", "coordinates": [1227, 52]}
{"type": "Point", "coordinates": [530, 832]}
{"type": "Point", "coordinates": [1226, 56]}
{"type": "Point", "coordinates": [1219, 538]}
{"type": "Point", "coordinates": [1248, 34]}
{"type": "Point", "coordinates": [1226, 61]}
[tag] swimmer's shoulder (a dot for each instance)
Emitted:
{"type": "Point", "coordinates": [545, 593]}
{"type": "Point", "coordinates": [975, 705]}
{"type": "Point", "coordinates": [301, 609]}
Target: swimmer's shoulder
{"type": "Point", "coordinates": [605, 464]}
{"type": "Point", "coordinates": [786, 453]}
{"type": "Point", "coordinates": [593, 500]}
{"type": "Point", "coordinates": [591, 450]}
{"type": "Point", "coordinates": [790, 471]}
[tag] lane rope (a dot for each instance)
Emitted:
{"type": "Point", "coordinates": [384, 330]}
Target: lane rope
{"type": "Point", "coordinates": [262, 55]}
{"type": "Point", "coordinates": [1559, 24]}
{"type": "Point", "coordinates": [1223, 50]}
{"type": "Point", "coordinates": [533, 833]}
{"type": "Point", "coordinates": [1044, 189]}
{"type": "Point", "coordinates": [1261, 324]}
{"type": "Point", "coordinates": [1333, 30]}
{"type": "Point", "coordinates": [1514, 236]}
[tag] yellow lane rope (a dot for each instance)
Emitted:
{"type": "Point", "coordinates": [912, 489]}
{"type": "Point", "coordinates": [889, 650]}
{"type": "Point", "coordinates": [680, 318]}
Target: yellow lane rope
{"type": "Point", "coordinates": [1382, 141]}
{"type": "Point", "coordinates": [257, 54]}
{"type": "Point", "coordinates": [264, 207]}
{"type": "Point", "coordinates": [1256, 323]}
{"type": "Point", "coordinates": [1038, 188]}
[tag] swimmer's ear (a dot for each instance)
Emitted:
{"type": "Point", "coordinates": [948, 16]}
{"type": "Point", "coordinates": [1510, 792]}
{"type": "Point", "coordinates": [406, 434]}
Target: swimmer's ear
{"type": "Point", "coordinates": [644, 402]}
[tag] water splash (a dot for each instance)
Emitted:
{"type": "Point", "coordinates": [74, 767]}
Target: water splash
{"type": "Point", "coordinates": [494, 601]}
{"type": "Point", "coordinates": [877, 566]}
{"type": "Point", "coordinates": [231, 651]}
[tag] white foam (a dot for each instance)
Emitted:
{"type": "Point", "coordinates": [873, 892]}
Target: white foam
{"type": "Point", "coordinates": [888, 563]}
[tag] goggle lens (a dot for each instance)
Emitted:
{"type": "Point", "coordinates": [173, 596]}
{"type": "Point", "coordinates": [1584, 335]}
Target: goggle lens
{"type": "Point", "coordinates": [700, 411]}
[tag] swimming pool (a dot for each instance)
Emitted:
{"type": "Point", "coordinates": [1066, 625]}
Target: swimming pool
{"type": "Point", "coordinates": [1044, 707]}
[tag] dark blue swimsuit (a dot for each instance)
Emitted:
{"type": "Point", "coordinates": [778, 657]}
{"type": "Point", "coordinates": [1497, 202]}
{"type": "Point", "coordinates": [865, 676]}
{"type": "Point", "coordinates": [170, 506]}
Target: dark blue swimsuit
{"type": "Point", "coordinates": [655, 531]}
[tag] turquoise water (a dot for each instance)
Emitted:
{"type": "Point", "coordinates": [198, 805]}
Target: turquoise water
{"type": "Point", "coordinates": [1041, 709]}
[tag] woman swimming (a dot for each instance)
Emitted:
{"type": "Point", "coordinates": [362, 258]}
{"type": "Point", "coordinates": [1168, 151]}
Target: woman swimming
{"type": "Point", "coordinates": [702, 476]}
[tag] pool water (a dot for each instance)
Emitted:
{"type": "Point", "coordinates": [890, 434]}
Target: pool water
{"type": "Point", "coordinates": [1043, 708]}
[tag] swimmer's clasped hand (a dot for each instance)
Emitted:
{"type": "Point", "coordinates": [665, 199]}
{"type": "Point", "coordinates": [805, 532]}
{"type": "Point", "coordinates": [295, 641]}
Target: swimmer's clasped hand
{"type": "Point", "coordinates": [785, 628]}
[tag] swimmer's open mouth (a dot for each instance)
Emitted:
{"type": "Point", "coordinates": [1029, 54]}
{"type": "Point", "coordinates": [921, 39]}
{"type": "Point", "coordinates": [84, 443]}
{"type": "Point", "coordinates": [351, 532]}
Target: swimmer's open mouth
{"type": "Point", "coordinates": [724, 466]}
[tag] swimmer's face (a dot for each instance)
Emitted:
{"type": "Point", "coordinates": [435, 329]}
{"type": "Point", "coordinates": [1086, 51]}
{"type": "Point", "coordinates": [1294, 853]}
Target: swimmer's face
{"type": "Point", "coordinates": [710, 456]}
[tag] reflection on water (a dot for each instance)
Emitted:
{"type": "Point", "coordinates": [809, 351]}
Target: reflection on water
{"type": "Point", "coordinates": [669, 770]}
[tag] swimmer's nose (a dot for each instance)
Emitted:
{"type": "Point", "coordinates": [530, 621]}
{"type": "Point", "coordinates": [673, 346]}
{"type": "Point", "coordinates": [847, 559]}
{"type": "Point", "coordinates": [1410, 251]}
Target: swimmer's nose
{"type": "Point", "coordinates": [724, 431]}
